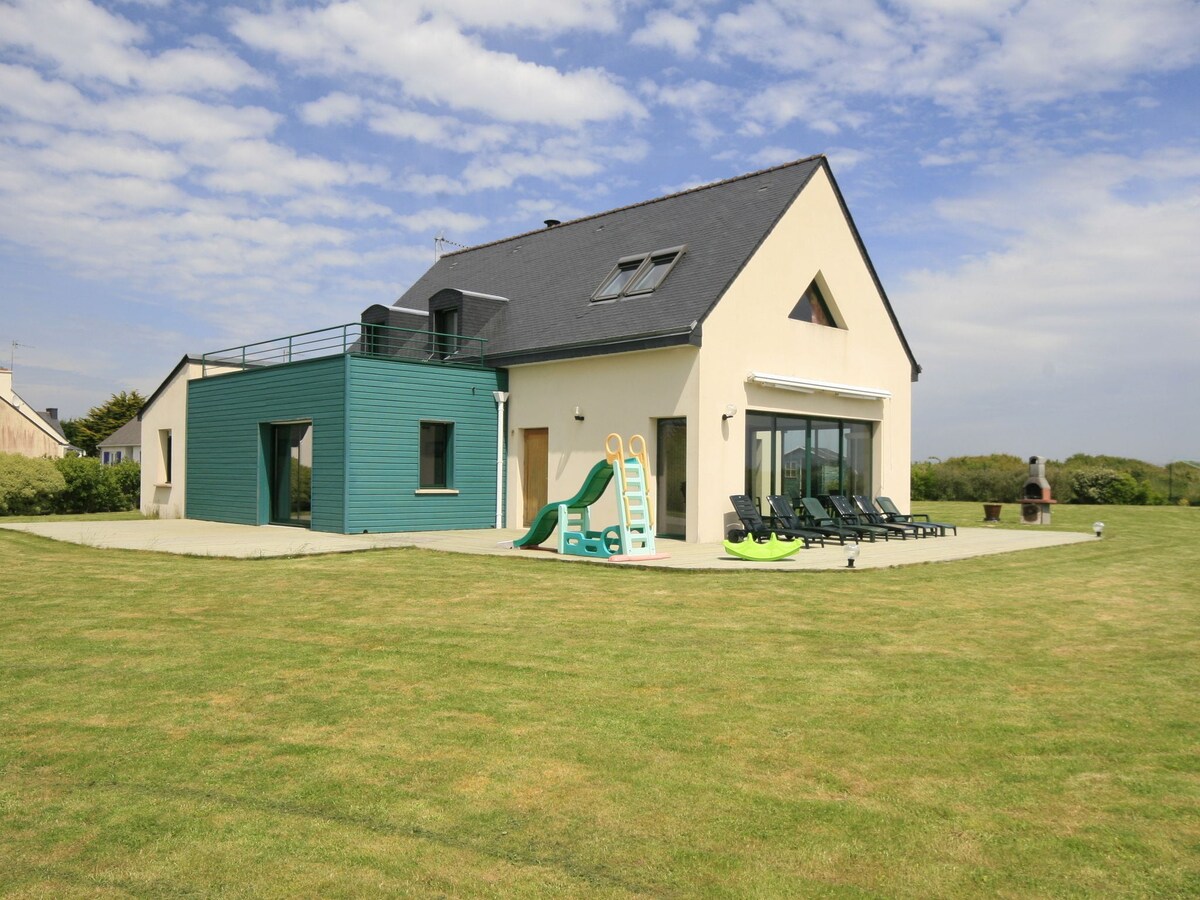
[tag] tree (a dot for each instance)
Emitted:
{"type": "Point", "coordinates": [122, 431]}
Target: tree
{"type": "Point", "coordinates": [103, 420]}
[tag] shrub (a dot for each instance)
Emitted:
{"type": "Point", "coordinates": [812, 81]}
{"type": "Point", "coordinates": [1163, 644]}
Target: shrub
{"type": "Point", "coordinates": [1107, 486]}
{"type": "Point", "coordinates": [28, 487]}
{"type": "Point", "coordinates": [129, 479]}
{"type": "Point", "coordinates": [91, 487]}
{"type": "Point", "coordinates": [998, 478]}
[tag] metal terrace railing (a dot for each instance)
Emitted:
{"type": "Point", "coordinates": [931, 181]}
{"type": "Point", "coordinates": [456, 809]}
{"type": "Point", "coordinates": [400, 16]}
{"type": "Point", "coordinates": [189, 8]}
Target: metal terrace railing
{"type": "Point", "coordinates": [359, 338]}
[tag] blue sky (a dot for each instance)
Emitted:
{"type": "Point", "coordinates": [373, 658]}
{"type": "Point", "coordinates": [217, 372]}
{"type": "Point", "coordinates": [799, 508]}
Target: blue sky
{"type": "Point", "coordinates": [177, 177]}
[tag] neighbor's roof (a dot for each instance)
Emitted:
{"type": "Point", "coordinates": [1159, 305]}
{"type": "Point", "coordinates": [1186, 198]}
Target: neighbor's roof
{"type": "Point", "coordinates": [549, 275]}
{"type": "Point", "coordinates": [128, 435]}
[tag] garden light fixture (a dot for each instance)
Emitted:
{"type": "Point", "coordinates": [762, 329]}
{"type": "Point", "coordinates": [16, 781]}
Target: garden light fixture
{"type": "Point", "coordinates": [851, 555]}
{"type": "Point", "coordinates": [1098, 527]}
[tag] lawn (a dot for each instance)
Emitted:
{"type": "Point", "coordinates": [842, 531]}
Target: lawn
{"type": "Point", "coordinates": [416, 723]}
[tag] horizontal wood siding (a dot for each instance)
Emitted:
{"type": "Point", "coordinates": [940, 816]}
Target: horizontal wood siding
{"type": "Point", "coordinates": [224, 453]}
{"type": "Point", "coordinates": [388, 399]}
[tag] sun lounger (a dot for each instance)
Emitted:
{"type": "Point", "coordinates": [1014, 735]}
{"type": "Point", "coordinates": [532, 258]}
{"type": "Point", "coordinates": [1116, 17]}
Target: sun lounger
{"type": "Point", "coordinates": [894, 515]}
{"type": "Point", "coordinates": [846, 515]}
{"type": "Point", "coordinates": [815, 516]}
{"type": "Point", "coordinates": [785, 514]}
{"type": "Point", "coordinates": [870, 515]}
{"type": "Point", "coordinates": [754, 527]}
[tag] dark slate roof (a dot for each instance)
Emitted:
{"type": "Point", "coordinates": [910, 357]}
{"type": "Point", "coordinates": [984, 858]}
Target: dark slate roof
{"type": "Point", "coordinates": [53, 422]}
{"type": "Point", "coordinates": [128, 435]}
{"type": "Point", "coordinates": [548, 276]}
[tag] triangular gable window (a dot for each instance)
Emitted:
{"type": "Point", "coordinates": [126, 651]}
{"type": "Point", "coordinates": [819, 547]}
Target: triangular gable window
{"type": "Point", "coordinates": [813, 308]}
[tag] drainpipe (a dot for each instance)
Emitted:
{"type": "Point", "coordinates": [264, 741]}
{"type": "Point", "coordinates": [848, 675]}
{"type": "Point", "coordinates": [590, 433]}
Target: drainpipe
{"type": "Point", "coordinates": [501, 397]}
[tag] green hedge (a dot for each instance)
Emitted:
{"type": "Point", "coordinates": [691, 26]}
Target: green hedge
{"type": "Point", "coordinates": [73, 484]}
{"type": "Point", "coordinates": [28, 487]}
{"type": "Point", "coordinates": [1081, 478]}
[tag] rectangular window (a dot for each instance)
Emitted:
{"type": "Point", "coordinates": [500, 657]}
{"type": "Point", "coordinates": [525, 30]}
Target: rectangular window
{"type": "Point", "coordinates": [615, 283]}
{"type": "Point", "coordinates": [164, 449]}
{"type": "Point", "coordinates": [653, 273]}
{"type": "Point", "coordinates": [638, 274]}
{"type": "Point", "coordinates": [436, 449]}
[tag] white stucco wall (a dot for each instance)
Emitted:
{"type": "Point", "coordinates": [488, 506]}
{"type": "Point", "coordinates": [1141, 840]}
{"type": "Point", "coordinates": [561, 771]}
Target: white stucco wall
{"type": "Point", "coordinates": [168, 412]}
{"type": "Point", "coordinates": [625, 393]}
{"type": "Point", "coordinates": [749, 330]}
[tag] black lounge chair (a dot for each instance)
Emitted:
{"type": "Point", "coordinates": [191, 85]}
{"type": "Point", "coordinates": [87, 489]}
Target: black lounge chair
{"type": "Point", "coordinates": [872, 516]}
{"type": "Point", "coordinates": [892, 514]}
{"type": "Point", "coordinates": [785, 514]}
{"type": "Point", "coordinates": [754, 527]}
{"type": "Point", "coordinates": [815, 516]}
{"type": "Point", "coordinates": [846, 515]}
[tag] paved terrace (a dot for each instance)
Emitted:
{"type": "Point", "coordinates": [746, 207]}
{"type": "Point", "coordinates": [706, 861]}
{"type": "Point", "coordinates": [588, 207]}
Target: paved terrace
{"type": "Point", "coordinates": [195, 538]}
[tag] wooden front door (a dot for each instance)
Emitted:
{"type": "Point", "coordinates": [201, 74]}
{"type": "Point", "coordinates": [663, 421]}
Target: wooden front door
{"type": "Point", "coordinates": [535, 472]}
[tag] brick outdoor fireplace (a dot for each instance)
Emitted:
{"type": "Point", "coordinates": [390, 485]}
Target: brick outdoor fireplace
{"type": "Point", "coordinates": [1035, 496]}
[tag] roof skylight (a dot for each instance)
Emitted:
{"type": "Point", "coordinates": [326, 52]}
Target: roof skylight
{"type": "Point", "coordinates": [639, 274]}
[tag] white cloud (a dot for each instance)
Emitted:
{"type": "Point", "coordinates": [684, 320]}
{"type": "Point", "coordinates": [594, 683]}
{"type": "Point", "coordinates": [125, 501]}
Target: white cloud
{"type": "Point", "coordinates": [552, 16]}
{"type": "Point", "coordinates": [670, 31]}
{"type": "Point", "coordinates": [788, 101]}
{"type": "Point", "coordinates": [267, 169]}
{"type": "Point", "coordinates": [1085, 291]}
{"type": "Point", "coordinates": [435, 218]}
{"type": "Point", "coordinates": [337, 108]}
{"type": "Point", "coordinates": [1005, 54]}
{"type": "Point", "coordinates": [433, 60]}
{"type": "Point", "coordinates": [445, 132]}
{"type": "Point", "coordinates": [83, 41]}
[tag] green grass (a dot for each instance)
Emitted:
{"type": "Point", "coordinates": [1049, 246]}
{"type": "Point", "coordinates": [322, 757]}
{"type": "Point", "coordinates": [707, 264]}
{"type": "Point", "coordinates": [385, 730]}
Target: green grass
{"type": "Point", "coordinates": [417, 723]}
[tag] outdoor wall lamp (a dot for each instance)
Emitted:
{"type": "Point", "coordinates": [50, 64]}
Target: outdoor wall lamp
{"type": "Point", "coordinates": [730, 412]}
{"type": "Point", "coordinates": [578, 414]}
{"type": "Point", "coordinates": [1098, 527]}
{"type": "Point", "coordinates": [851, 555]}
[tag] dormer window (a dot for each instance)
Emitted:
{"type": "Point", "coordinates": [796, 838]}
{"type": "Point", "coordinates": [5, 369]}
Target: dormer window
{"type": "Point", "coordinates": [639, 274]}
{"type": "Point", "coordinates": [445, 327]}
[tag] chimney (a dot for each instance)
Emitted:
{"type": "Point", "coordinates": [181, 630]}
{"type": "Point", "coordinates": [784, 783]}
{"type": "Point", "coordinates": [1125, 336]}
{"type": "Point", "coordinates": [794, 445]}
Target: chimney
{"type": "Point", "coordinates": [6, 388]}
{"type": "Point", "coordinates": [52, 413]}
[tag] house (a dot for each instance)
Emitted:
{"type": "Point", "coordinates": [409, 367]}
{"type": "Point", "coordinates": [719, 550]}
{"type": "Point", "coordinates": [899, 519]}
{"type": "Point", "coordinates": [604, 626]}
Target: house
{"type": "Point", "coordinates": [122, 445]}
{"type": "Point", "coordinates": [163, 422]}
{"type": "Point", "coordinates": [26, 431]}
{"type": "Point", "coordinates": [739, 326]}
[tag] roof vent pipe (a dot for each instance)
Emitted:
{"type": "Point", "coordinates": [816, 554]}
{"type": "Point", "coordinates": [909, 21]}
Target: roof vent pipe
{"type": "Point", "coordinates": [550, 223]}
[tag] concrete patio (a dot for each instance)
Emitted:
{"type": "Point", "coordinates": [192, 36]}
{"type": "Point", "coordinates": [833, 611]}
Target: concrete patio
{"type": "Point", "coordinates": [196, 538]}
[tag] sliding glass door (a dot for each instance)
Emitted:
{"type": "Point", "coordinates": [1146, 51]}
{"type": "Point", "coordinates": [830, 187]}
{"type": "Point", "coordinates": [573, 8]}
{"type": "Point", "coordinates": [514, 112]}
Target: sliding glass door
{"type": "Point", "coordinates": [290, 474]}
{"type": "Point", "coordinates": [802, 457]}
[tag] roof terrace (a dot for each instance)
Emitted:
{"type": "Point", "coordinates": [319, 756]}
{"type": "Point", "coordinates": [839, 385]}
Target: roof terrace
{"type": "Point", "coordinates": [357, 338]}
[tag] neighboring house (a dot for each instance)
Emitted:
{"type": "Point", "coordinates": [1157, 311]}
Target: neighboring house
{"type": "Point", "coordinates": [123, 444]}
{"type": "Point", "coordinates": [26, 431]}
{"type": "Point", "coordinates": [740, 327]}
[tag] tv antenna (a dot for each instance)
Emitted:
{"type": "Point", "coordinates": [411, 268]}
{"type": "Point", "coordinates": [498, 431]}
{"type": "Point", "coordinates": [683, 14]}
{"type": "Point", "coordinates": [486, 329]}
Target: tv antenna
{"type": "Point", "coordinates": [440, 243]}
{"type": "Point", "coordinates": [12, 354]}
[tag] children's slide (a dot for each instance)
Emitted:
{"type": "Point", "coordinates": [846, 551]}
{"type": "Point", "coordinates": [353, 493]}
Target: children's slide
{"type": "Point", "coordinates": [547, 518]}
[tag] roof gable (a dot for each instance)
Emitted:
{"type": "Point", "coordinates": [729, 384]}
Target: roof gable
{"type": "Point", "coordinates": [550, 275]}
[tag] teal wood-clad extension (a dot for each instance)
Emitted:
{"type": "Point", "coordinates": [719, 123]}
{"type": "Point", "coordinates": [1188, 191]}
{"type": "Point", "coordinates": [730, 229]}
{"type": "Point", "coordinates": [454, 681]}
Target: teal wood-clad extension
{"type": "Point", "coordinates": [365, 435]}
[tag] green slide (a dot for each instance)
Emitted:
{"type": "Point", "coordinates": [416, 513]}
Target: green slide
{"type": "Point", "coordinates": [546, 520]}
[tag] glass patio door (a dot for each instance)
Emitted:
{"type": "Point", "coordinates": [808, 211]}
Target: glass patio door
{"type": "Point", "coordinates": [671, 518]}
{"type": "Point", "coordinates": [291, 474]}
